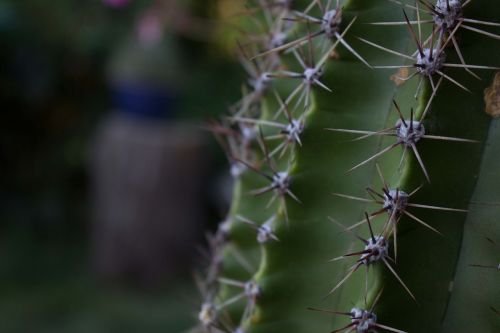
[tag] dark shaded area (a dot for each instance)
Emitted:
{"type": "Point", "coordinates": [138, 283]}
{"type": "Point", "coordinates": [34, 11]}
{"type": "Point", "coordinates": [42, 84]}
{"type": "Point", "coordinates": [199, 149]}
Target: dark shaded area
{"type": "Point", "coordinates": [59, 83]}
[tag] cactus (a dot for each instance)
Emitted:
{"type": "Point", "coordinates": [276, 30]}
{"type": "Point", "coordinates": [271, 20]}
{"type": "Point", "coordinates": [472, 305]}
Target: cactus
{"type": "Point", "coordinates": [422, 257]}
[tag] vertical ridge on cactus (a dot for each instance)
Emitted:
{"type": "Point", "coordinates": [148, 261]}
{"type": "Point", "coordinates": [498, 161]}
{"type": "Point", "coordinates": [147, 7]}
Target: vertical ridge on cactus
{"type": "Point", "coordinates": [293, 273]}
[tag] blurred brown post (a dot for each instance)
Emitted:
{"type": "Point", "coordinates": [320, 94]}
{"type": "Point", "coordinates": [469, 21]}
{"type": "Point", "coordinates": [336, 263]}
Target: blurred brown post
{"type": "Point", "coordinates": [147, 169]}
{"type": "Point", "coordinates": [147, 180]}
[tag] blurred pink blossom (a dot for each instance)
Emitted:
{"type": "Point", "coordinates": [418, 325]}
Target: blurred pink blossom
{"type": "Point", "coordinates": [150, 28]}
{"type": "Point", "coordinates": [116, 3]}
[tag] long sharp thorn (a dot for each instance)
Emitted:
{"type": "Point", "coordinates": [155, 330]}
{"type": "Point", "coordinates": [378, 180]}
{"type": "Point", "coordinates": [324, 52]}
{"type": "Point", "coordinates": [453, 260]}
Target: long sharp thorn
{"type": "Point", "coordinates": [401, 22]}
{"type": "Point", "coordinates": [343, 328]}
{"type": "Point", "coordinates": [403, 155]}
{"type": "Point", "coordinates": [271, 201]}
{"type": "Point", "coordinates": [285, 209]}
{"type": "Point", "coordinates": [419, 85]}
{"type": "Point", "coordinates": [448, 138]}
{"type": "Point", "coordinates": [367, 272]}
{"type": "Point", "coordinates": [251, 167]}
{"type": "Point", "coordinates": [438, 208]}
{"type": "Point", "coordinates": [310, 44]}
{"type": "Point", "coordinates": [406, 5]}
{"type": "Point", "coordinates": [287, 45]}
{"type": "Point", "coordinates": [489, 34]}
{"type": "Point", "coordinates": [399, 113]}
{"type": "Point", "coordinates": [240, 259]}
{"type": "Point", "coordinates": [384, 132]}
{"type": "Point", "coordinates": [307, 96]}
{"type": "Point", "coordinates": [411, 119]}
{"type": "Point", "coordinates": [330, 311]}
{"type": "Point", "coordinates": [301, 97]}
{"type": "Point", "coordinates": [327, 7]}
{"type": "Point", "coordinates": [353, 197]}
{"type": "Point", "coordinates": [373, 192]}
{"type": "Point", "coordinates": [399, 279]}
{"type": "Point", "coordinates": [461, 57]}
{"type": "Point", "coordinates": [363, 221]}
{"type": "Point", "coordinates": [395, 222]}
{"type": "Point", "coordinates": [278, 148]}
{"type": "Point", "coordinates": [364, 241]}
{"type": "Point", "coordinates": [322, 85]}
{"type": "Point", "coordinates": [350, 131]}
{"type": "Point", "coordinates": [370, 227]}
{"type": "Point", "coordinates": [283, 106]}
{"type": "Point", "coordinates": [261, 191]}
{"type": "Point", "coordinates": [267, 15]}
{"type": "Point", "coordinates": [297, 139]}
{"type": "Point", "coordinates": [325, 57]}
{"type": "Point", "coordinates": [428, 6]}
{"type": "Point", "coordinates": [290, 98]}
{"type": "Point", "coordinates": [311, 6]}
{"type": "Point", "coordinates": [265, 149]}
{"type": "Point", "coordinates": [257, 121]}
{"type": "Point", "coordinates": [374, 195]}
{"type": "Point", "coordinates": [412, 193]}
{"type": "Point", "coordinates": [491, 241]}
{"type": "Point", "coordinates": [419, 26]}
{"type": "Point", "coordinates": [387, 328]}
{"type": "Point", "coordinates": [395, 67]}
{"type": "Point", "coordinates": [429, 103]}
{"type": "Point", "coordinates": [230, 301]}
{"type": "Point", "coordinates": [231, 282]}
{"type": "Point", "coordinates": [495, 310]}
{"type": "Point", "coordinates": [431, 49]}
{"type": "Point", "coordinates": [451, 34]}
{"type": "Point", "coordinates": [383, 151]}
{"type": "Point", "coordinates": [353, 269]}
{"type": "Point", "coordinates": [419, 159]}
{"type": "Point", "coordinates": [386, 49]}
{"type": "Point", "coordinates": [247, 221]}
{"type": "Point", "coordinates": [286, 75]}
{"type": "Point", "coordinates": [416, 219]}
{"type": "Point", "coordinates": [494, 24]}
{"type": "Point", "coordinates": [293, 196]}
{"type": "Point", "coordinates": [483, 266]}
{"type": "Point", "coordinates": [284, 148]}
{"type": "Point", "coordinates": [306, 17]}
{"type": "Point", "coordinates": [300, 58]}
{"type": "Point", "coordinates": [453, 81]}
{"type": "Point", "coordinates": [347, 46]}
{"type": "Point", "coordinates": [419, 46]}
{"type": "Point", "coordinates": [376, 300]}
{"type": "Point", "coordinates": [469, 66]}
{"type": "Point", "coordinates": [292, 19]}
{"type": "Point", "coordinates": [350, 255]}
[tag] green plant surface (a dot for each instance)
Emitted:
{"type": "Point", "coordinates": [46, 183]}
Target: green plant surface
{"type": "Point", "coordinates": [295, 274]}
{"type": "Point", "coordinates": [479, 285]}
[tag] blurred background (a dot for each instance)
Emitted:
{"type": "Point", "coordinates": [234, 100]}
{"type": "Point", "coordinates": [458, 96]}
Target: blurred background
{"type": "Point", "coordinates": [108, 180]}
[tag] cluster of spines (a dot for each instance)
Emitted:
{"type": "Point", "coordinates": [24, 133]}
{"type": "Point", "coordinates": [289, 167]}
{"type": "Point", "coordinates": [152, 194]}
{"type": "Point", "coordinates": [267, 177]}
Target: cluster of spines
{"type": "Point", "coordinates": [240, 133]}
{"type": "Point", "coordinates": [250, 119]}
{"type": "Point", "coordinates": [446, 17]}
